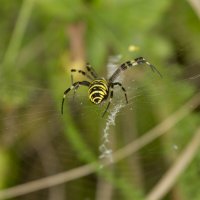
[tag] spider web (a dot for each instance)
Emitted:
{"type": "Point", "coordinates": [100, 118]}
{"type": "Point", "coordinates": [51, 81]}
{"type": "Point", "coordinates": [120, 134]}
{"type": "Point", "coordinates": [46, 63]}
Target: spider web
{"type": "Point", "coordinates": [42, 151]}
{"type": "Point", "coordinates": [35, 134]}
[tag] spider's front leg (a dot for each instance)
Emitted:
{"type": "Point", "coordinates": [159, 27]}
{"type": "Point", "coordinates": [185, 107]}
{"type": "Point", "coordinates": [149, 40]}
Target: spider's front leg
{"type": "Point", "coordinates": [132, 63]}
{"type": "Point", "coordinates": [141, 60]}
{"type": "Point", "coordinates": [74, 85]}
{"type": "Point", "coordinates": [80, 72]}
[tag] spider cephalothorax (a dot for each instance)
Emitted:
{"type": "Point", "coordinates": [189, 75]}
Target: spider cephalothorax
{"type": "Point", "coordinates": [99, 88]}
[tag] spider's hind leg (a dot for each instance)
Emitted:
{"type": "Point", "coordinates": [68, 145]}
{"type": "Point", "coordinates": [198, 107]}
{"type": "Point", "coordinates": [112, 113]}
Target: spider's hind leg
{"type": "Point", "coordinates": [91, 70]}
{"type": "Point", "coordinates": [110, 100]}
{"type": "Point", "coordinates": [123, 89]}
{"type": "Point", "coordinates": [81, 72]}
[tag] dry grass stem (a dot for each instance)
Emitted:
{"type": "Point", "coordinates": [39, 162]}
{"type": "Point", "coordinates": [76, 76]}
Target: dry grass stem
{"type": "Point", "coordinates": [85, 170]}
{"type": "Point", "coordinates": [170, 177]}
{"type": "Point", "coordinates": [195, 4]}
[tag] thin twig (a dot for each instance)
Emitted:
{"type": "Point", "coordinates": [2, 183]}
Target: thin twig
{"type": "Point", "coordinates": [170, 177]}
{"type": "Point", "coordinates": [47, 182]}
{"type": "Point", "coordinates": [85, 170]}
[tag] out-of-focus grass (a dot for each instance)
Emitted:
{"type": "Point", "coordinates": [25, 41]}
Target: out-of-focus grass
{"type": "Point", "coordinates": [36, 50]}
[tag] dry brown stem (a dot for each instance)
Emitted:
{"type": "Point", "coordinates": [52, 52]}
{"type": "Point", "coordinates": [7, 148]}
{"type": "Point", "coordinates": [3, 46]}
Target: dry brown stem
{"type": "Point", "coordinates": [85, 170]}
{"type": "Point", "coordinates": [170, 177]}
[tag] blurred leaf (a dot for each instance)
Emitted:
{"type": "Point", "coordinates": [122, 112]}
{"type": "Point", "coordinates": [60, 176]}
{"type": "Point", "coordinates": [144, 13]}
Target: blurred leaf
{"type": "Point", "coordinates": [68, 10]}
{"type": "Point", "coordinates": [5, 163]}
{"type": "Point", "coordinates": [186, 34]}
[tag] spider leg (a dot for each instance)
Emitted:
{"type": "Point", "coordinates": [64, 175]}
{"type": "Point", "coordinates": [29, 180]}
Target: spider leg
{"type": "Point", "coordinates": [123, 89]}
{"type": "Point", "coordinates": [110, 100]}
{"type": "Point", "coordinates": [91, 70]}
{"type": "Point", "coordinates": [72, 80]}
{"type": "Point", "coordinates": [111, 95]}
{"type": "Point", "coordinates": [141, 60]}
{"type": "Point", "coordinates": [126, 65]}
{"type": "Point", "coordinates": [74, 85]}
{"type": "Point", "coordinates": [81, 72]}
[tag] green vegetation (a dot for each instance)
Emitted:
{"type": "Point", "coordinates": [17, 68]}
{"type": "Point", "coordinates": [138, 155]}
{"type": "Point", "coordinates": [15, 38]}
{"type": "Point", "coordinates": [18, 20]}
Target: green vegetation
{"type": "Point", "coordinates": [41, 40]}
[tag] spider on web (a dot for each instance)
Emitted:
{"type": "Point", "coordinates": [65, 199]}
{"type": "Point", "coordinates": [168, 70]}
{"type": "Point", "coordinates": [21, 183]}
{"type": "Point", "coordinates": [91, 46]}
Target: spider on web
{"type": "Point", "coordinates": [99, 89]}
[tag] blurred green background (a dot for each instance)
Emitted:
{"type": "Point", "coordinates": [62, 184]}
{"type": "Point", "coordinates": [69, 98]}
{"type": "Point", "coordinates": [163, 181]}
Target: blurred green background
{"type": "Point", "coordinates": [41, 40]}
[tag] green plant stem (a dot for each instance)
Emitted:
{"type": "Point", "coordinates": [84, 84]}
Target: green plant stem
{"type": "Point", "coordinates": [18, 33]}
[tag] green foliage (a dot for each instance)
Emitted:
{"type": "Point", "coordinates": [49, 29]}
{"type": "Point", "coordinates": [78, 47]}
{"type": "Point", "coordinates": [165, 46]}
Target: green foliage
{"type": "Point", "coordinates": [186, 33]}
{"type": "Point", "coordinates": [66, 10]}
{"type": "Point", "coordinates": [36, 53]}
{"type": "Point", "coordinates": [4, 170]}
{"type": "Point", "coordinates": [8, 164]}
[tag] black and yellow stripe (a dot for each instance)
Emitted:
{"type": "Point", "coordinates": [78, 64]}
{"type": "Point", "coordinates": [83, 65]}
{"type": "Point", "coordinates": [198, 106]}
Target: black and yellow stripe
{"type": "Point", "coordinates": [98, 91]}
{"type": "Point", "coordinates": [132, 63]}
{"type": "Point", "coordinates": [100, 88]}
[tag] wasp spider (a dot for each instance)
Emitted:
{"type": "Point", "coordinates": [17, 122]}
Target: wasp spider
{"type": "Point", "coordinates": [99, 89]}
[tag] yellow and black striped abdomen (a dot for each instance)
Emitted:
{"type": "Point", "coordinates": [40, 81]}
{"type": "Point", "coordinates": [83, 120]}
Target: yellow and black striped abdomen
{"type": "Point", "coordinates": [98, 91]}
